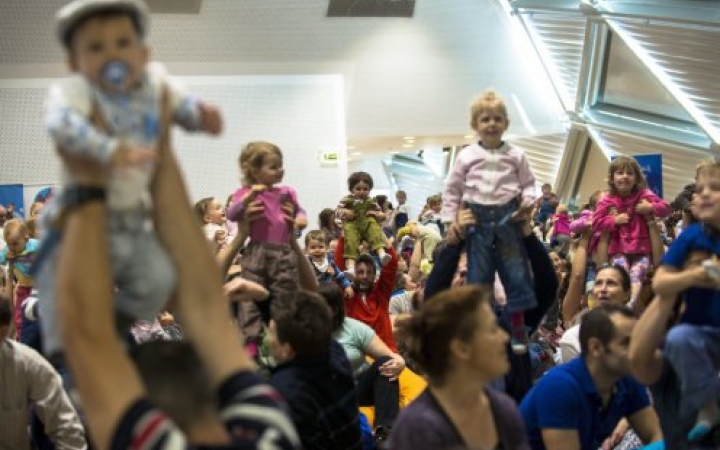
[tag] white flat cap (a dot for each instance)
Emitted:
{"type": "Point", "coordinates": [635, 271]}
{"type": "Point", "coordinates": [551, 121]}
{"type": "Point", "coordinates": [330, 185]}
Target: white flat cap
{"type": "Point", "coordinates": [70, 15]}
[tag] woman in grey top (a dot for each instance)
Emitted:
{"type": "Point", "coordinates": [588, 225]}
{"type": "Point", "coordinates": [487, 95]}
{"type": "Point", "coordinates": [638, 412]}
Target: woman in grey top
{"type": "Point", "coordinates": [456, 341]}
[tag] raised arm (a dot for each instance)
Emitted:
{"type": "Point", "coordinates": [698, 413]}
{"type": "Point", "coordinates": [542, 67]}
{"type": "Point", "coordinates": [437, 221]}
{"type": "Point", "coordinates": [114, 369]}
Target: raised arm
{"type": "Point", "coordinates": [646, 360]}
{"type": "Point", "coordinates": [199, 299]}
{"type": "Point", "coordinates": [106, 379]}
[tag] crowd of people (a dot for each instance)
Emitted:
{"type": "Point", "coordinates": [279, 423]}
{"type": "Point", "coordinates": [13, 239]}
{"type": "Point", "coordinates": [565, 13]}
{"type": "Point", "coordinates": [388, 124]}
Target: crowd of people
{"type": "Point", "coordinates": [494, 318]}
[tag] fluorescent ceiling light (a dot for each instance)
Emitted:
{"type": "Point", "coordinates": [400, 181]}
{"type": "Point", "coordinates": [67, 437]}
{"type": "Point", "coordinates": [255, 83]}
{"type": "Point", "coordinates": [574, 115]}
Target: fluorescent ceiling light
{"type": "Point", "coordinates": [356, 154]}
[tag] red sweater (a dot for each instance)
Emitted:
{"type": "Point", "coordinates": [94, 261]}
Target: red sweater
{"type": "Point", "coordinates": [375, 310]}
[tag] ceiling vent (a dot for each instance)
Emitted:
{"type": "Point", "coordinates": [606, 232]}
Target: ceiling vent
{"type": "Point", "coordinates": [371, 8]}
{"type": "Point", "coordinates": [174, 6]}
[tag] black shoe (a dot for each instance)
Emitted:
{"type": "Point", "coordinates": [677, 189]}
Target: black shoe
{"type": "Point", "coordinates": [382, 438]}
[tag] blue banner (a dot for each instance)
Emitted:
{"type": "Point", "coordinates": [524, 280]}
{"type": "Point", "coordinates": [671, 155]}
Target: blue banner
{"type": "Point", "coordinates": [651, 166]}
{"type": "Point", "coordinates": [13, 193]}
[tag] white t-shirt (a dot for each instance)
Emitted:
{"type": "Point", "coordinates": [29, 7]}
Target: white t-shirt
{"type": "Point", "coordinates": [570, 344]}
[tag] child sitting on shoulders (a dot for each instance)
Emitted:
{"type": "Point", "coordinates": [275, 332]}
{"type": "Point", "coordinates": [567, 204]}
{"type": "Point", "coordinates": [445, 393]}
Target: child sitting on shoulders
{"type": "Point", "coordinates": [494, 180]}
{"type": "Point", "coordinates": [325, 268]}
{"type": "Point", "coordinates": [361, 221]}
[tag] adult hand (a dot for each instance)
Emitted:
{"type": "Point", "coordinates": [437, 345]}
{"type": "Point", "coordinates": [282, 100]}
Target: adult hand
{"type": "Point", "coordinates": [349, 292]}
{"type": "Point", "coordinates": [644, 207]}
{"type": "Point", "coordinates": [300, 223]}
{"type": "Point", "coordinates": [393, 367]}
{"type": "Point", "coordinates": [211, 118]}
{"type": "Point", "coordinates": [289, 214]}
{"type": "Point", "coordinates": [85, 171]}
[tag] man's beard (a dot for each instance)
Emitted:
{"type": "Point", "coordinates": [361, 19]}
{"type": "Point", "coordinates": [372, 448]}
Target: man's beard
{"type": "Point", "coordinates": [365, 287]}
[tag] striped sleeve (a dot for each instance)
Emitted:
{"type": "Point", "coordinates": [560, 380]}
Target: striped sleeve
{"type": "Point", "coordinates": [254, 413]}
{"type": "Point", "coordinates": [144, 427]}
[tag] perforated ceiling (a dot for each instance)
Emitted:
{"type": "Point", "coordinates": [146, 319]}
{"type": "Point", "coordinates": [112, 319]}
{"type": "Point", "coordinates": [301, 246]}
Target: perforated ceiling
{"type": "Point", "coordinates": [402, 76]}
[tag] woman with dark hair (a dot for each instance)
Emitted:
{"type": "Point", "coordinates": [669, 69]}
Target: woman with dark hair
{"type": "Point", "coordinates": [377, 383]}
{"type": "Point", "coordinates": [457, 342]}
{"type": "Point", "coordinates": [326, 220]}
{"type": "Point", "coordinates": [612, 285]}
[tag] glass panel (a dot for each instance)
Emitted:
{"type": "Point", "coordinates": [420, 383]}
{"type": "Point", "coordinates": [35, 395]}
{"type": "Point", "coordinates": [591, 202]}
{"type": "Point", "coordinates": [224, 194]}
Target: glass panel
{"type": "Point", "coordinates": [629, 84]}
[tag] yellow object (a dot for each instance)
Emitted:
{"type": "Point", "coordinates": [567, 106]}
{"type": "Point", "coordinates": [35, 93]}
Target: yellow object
{"type": "Point", "coordinates": [404, 231]}
{"type": "Point", "coordinates": [411, 386]}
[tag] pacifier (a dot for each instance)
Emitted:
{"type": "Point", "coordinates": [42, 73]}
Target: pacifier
{"type": "Point", "coordinates": [115, 73]}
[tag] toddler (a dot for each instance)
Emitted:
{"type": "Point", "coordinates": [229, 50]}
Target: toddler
{"type": "Point", "coordinates": [546, 206]}
{"type": "Point", "coordinates": [494, 179]}
{"type": "Point", "coordinates": [361, 221]}
{"type": "Point", "coordinates": [560, 239]}
{"type": "Point", "coordinates": [325, 268]}
{"type": "Point", "coordinates": [212, 215]}
{"type": "Point", "coordinates": [693, 346]}
{"type": "Point", "coordinates": [20, 251]}
{"type": "Point", "coordinates": [624, 213]}
{"type": "Point", "coordinates": [114, 109]}
{"type": "Point", "coordinates": [268, 259]}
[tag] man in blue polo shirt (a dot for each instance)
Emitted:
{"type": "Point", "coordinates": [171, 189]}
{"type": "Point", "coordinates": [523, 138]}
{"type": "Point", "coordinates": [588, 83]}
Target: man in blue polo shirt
{"type": "Point", "coordinates": [576, 406]}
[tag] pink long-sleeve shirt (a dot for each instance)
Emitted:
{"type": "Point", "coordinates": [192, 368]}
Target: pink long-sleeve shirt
{"type": "Point", "coordinates": [632, 238]}
{"type": "Point", "coordinates": [562, 225]}
{"type": "Point", "coordinates": [487, 177]}
{"type": "Point", "coordinates": [270, 227]}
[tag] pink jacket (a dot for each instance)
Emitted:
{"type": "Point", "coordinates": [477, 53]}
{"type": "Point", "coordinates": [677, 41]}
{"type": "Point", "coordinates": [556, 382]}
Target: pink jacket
{"type": "Point", "coordinates": [578, 225]}
{"type": "Point", "coordinates": [633, 238]}
{"type": "Point", "coordinates": [562, 225]}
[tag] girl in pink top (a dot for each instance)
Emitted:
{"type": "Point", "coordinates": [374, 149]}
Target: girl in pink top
{"type": "Point", "coordinates": [624, 213]}
{"type": "Point", "coordinates": [268, 259]}
{"type": "Point", "coordinates": [561, 229]}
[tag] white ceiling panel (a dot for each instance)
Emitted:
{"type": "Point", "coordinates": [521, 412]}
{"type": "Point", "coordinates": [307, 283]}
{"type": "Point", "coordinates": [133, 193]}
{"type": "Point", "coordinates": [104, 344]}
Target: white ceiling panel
{"type": "Point", "coordinates": [402, 76]}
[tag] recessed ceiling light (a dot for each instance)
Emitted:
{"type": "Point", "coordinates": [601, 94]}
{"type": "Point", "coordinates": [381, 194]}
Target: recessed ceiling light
{"type": "Point", "coordinates": [408, 146]}
{"type": "Point", "coordinates": [469, 136]}
{"type": "Point", "coordinates": [351, 147]}
{"type": "Point", "coordinates": [356, 154]}
{"type": "Point", "coordinates": [409, 138]}
{"type": "Point", "coordinates": [394, 152]}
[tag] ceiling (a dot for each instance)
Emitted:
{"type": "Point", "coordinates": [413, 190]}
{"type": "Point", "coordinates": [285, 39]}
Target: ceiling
{"type": "Point", "coordinates": [403, 77]}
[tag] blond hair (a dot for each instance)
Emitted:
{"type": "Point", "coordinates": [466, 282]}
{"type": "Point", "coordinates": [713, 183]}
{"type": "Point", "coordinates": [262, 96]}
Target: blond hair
{"type": "Point", "coordinates": [252, 157]}
{"type": "Point", "coordinates": [488, 100]}
{"type": "Point", "coordinates": [14, 226]}
{"type": "Point", "coordinates": [707, 165]}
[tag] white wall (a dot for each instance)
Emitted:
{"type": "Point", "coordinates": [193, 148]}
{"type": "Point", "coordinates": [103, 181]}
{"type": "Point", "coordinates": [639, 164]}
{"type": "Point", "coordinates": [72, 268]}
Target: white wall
{"type": "Point", "coordinates": [299, 113]}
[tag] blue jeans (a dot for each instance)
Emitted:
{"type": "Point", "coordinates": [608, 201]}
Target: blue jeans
{"type": "Point", "coordinates": [694, 353]}
{"type": "Point", "coordinates": [496, 244]}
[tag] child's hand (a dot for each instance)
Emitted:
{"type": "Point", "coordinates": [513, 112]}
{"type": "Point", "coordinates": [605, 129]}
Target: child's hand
{"type": "Point", "coordinates": [349, 292]}
{"type": "Point", "coordinates": [220, 236]}
{"type": "Point", "coordinates": [300, 222]}
{"type": "Point", "coordinates": [622, 219]}
{"type": "Point", "coordinates": [211, 118]}
{"type": "Point", "coordinates": [166, 319]}
{"type": "Point", "coordinates": [125, 157]}
{"type": "Point", "coordinates": [643, 207]}
{"type": "Point", "coordinates": [349, 214]}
